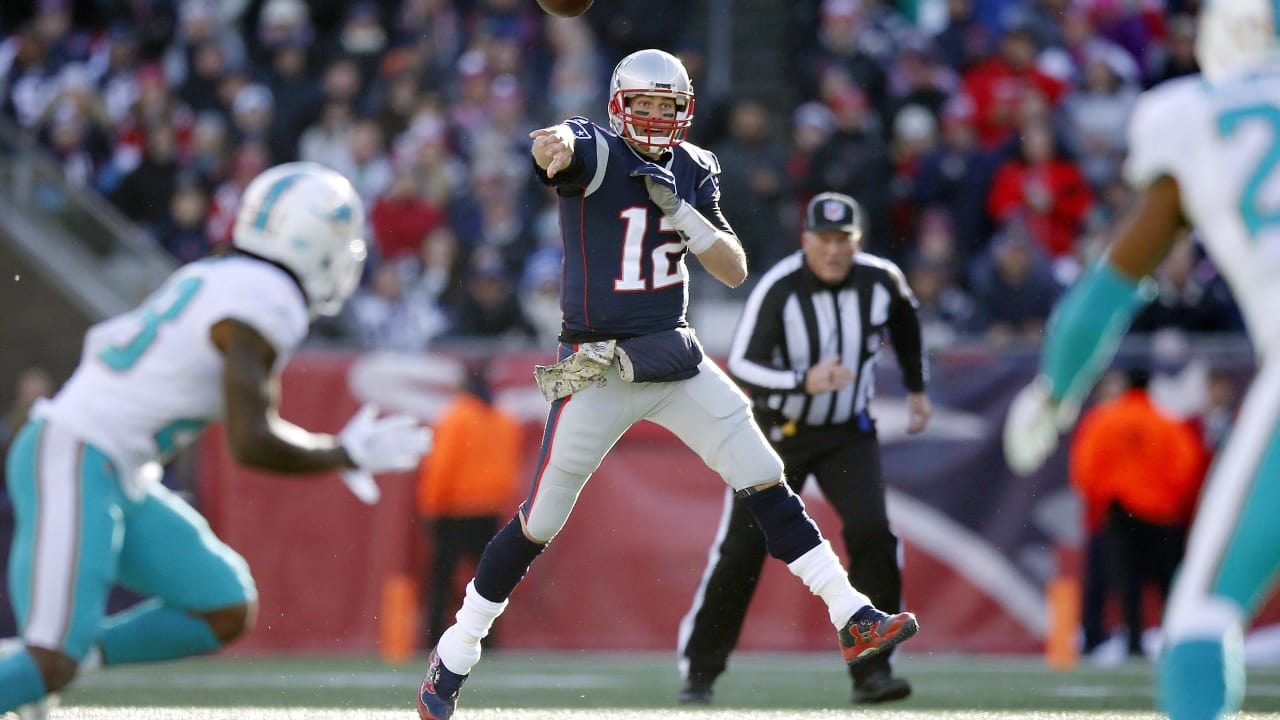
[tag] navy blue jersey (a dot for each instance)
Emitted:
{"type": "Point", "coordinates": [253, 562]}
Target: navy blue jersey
{"type": "Point", "coordinates": [624, 265]}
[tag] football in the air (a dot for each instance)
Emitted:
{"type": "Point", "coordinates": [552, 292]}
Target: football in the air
{"type": "Point", "coordinates": [565, 8]}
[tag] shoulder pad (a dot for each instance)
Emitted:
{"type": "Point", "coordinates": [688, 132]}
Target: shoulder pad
{"type": "Point", "coordinates": [702, 157]}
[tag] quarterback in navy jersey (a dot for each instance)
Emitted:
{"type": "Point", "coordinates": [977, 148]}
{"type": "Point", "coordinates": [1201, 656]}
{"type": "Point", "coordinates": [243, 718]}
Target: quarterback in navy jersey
{"type": "Point", "coordinates": [635, 200]}
{"type": "Point", "coordinates": [624, 269]}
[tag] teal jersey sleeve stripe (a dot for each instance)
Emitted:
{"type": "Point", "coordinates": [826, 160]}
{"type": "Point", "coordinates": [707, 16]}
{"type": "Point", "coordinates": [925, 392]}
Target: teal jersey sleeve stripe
{"type": "Point", "coordinates": [269, 201]}
{"type": "Point", "coordinates": [1086, 327]}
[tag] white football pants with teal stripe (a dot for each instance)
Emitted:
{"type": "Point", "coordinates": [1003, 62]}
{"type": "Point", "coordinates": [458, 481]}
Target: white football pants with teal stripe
{"type": "Point", "coordinates": [1233, 554]}
{"type": "Point", "coordinates": [76, 534]}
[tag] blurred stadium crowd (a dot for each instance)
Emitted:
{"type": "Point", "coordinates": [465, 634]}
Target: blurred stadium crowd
{"type": "Point", "coordinates": [984, 138]}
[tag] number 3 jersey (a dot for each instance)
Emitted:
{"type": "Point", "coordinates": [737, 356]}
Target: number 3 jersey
{"type": "Point", "coordinates": [1221, 142]}
{"type": "Point", "coordinates": [624, 265]}
{"type": "Point", "coordinates": [149, 380]}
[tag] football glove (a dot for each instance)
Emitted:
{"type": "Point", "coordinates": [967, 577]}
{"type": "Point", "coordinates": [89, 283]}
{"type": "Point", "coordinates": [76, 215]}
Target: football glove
{"type": "Point", "coordinates": [390, 444]}
{"type": "Point", "coordinates": [697, 232]}
{"type": "Point", "coordinates": [1032, 427]}
{"type": "Point", "coordinates": [362, 485]}
{"type": "Point", "coordinates": [661, 185]}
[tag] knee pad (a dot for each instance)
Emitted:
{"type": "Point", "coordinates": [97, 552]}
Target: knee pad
{"type": "Point", "coordinates": [547, 512]}
{"type": "Point", "coordinates": [748, 459]}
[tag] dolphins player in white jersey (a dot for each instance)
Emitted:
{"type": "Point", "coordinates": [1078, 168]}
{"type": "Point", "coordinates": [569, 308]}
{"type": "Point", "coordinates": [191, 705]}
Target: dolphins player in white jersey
{"type": "Point", "coordinates": [1204, 152]}
{"type": "Point", "coordinates": [208, 344]}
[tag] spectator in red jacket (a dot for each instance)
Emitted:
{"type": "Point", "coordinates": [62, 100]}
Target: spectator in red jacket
{"type": "Point", "coordinates": [402, 219]}
{"type": "Point", "coordinates": [1047, 191]}
{"type": "Point", "coordinates": [999, 84]}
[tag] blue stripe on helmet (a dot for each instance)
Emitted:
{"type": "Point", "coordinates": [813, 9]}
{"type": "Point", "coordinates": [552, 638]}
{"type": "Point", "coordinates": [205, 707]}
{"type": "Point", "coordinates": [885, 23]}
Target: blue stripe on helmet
{"type": "Point", "coordinates": [264, 212]}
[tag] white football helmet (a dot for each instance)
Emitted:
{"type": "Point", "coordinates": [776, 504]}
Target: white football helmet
{"type": "Point", "coordinates": [1236, 36]}
{"type": "Point", "coordinates": [309, 219]}
{"type": "Point", "coordinates": [650, 72]}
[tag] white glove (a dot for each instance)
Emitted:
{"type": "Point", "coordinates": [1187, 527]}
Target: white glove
{"type": "Point", "coordinates": [1032, 427]}
{"type": "Point", "coordinates": [362, 485]}
{"type": "Point", "coordinates": [391, 444]}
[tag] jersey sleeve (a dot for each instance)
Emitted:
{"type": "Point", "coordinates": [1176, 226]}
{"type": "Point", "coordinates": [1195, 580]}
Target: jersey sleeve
{"type": "Point", "coordinates": [586, 156]}
{"type": "Point", "coordinates": [904, 331]}
{"type": "Point", "coordinates": [708, 191]}
{"type": "Point", "coordinates": [761, 332]}
{"type": "Point", "coordinates": [267, 300]}
{"type": "Point", "coordinates": [1157, 128]}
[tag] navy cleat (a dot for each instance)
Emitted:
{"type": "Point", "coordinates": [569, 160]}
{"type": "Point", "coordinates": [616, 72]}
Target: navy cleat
{"type": "Point", "coordinates": [870, 632]}
{"type": "Point", "coordinates": [438, 695]}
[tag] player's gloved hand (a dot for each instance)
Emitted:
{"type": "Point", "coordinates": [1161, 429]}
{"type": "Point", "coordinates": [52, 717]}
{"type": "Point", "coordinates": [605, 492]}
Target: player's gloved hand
{"type": "Point", "coordinates": [661, 184]}
{"type": "Point", "coordinates": [1032, 427]}
{"type": "Point", "coordinates": [390, 444]}
{"type": "Point", "coordinates": [362, 485]}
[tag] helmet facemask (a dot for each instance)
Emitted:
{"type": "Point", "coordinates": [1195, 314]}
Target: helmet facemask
{"type": "Point", "coordinates": [652, 132]}
{"type": "Point", "coordinates": [337, 278]}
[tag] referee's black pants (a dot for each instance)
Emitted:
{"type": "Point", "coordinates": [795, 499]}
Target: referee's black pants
{"type": "Point", "coordinates": [452, 539]}
{"type": "Point", "coordinates": [846, 464]}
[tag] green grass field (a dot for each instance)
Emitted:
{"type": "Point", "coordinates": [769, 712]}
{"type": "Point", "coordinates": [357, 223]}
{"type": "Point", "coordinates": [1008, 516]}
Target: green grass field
{"type": "Point", "coordinates": [533, 686]}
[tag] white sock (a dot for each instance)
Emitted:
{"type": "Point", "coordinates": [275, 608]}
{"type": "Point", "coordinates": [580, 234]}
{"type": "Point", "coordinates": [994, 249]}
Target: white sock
{"type": "Point", "coordinates": [477, 613]}
{"type": "Point", "coordinates": [459, 646]}
{"type": "Point", "coordinates": [456, 653]}
{"type": "Point", "coordinates": [822, 573]}
{"type": "Point", "coordinates": [92, 660]}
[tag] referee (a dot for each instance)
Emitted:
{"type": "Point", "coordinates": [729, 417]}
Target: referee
{"type": "Point", "coordinates": [806, 349]}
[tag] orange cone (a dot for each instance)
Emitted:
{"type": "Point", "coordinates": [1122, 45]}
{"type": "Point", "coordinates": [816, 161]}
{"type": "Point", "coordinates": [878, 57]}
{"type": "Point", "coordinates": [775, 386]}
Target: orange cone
{"type": "Point", "coordinates": [1062, 600]}
{"type": "Point", "coordinates": [398, 624]}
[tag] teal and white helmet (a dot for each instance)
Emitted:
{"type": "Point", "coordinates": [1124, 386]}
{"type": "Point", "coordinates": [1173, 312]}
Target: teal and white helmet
{"type": "Point", "coordinates": [1235, 37]}
{"type": "Point", "coordinates": [309, 219]}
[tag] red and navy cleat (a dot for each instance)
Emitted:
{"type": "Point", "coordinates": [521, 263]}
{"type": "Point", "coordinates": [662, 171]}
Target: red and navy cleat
{"type": "Point", "coordinates": [438, 695]}
{"type": "Point", "coordinates": [870, 632]}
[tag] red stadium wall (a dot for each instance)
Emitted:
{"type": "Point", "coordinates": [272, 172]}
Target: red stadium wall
{"type": "Point", "coordinates": [623, 571]}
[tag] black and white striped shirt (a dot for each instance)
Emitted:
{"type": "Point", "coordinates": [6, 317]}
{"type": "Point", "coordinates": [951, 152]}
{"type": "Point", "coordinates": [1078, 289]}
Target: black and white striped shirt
{"type": "Point", "coordinates": [793, 321]}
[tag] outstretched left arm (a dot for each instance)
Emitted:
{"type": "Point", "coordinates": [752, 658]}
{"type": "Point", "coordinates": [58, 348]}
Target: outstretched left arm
{"type": "Point", "coordinates": [1087, 325]}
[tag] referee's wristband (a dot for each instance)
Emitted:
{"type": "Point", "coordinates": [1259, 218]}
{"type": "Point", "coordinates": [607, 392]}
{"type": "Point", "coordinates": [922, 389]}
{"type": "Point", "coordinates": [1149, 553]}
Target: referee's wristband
{"type": "Point", "coordinates": [800, 376]}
